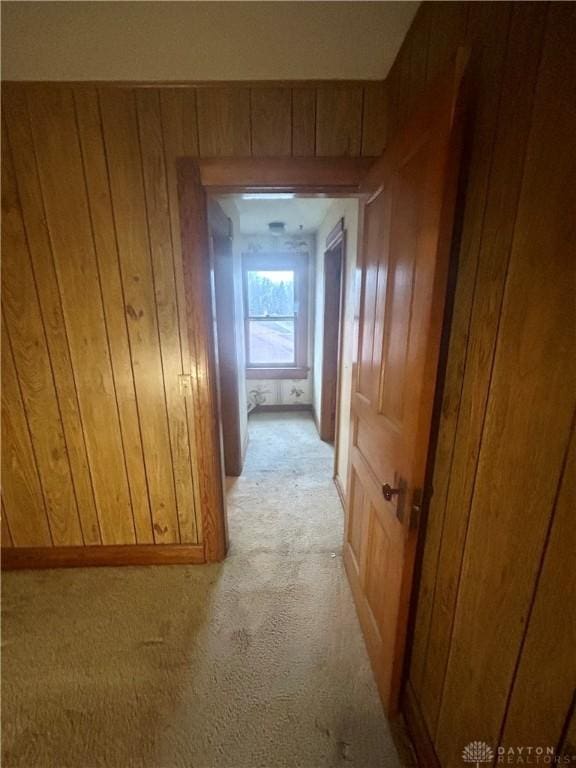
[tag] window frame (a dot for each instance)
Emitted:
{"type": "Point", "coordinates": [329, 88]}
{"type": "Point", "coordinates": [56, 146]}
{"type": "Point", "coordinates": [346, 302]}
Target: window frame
{"type": "Point", "coordinates": [281, 262]}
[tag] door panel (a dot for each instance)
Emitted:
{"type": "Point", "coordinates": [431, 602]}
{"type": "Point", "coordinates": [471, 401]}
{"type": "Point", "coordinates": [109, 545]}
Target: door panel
{"type": "Point", "coordinates": [397, 304]}
{"type": "Point", "coordinates": [374, 221]}
{"type": "Point", "coordinates": [407, 229]}
{"type": "Point", "coordinates": [356, 517]}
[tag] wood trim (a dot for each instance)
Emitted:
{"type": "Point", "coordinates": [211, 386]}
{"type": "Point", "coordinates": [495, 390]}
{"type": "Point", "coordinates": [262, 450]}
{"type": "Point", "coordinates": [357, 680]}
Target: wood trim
{"type": "Point", "coordinates": [417, 729]}
{"type": "Point", "coordinates": [336, 234]}
{"type": "Point", "coordinates": [220, 224]}
{"type": "Point", "coordinates": [343, 174]}
{"type": "Point", "coordinates": [16, 558]}
{"type": "Point", "coordinates": [300, 372]}
{"type": "Point", "coordinates": [282, 407]}
{"type": "Point", "coordinates": [333, 266]}
{"type": "Point", "coordinates": [222, 266]}
{"type": "Point", "coordinates": [191, 83]}
{"type": "Point", "coordinates": [335, 247]}
{"type": "Point", "coordinates": [199, 315]}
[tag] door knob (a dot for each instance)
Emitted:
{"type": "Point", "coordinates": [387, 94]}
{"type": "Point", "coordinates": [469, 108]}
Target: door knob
{"type": "Point", "coordinates": [388, 492]}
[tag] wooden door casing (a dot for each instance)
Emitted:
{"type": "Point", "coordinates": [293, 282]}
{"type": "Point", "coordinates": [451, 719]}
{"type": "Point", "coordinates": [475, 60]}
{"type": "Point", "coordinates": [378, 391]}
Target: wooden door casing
{"type": "Point", "coordinates": [334, 257]}
{"type": "Point", "coordinates": [226, 322]}
{"type": "Point", "coordinates": [407, 229]}
{"type": "Point", "coordinates": [196, 180]}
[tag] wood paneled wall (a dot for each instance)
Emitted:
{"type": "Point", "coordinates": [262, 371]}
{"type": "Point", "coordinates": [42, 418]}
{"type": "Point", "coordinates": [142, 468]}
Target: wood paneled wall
{"type": "Point", "coordinates": [492, 656]}
{"type": "Point", "coordinates": [99, 441]}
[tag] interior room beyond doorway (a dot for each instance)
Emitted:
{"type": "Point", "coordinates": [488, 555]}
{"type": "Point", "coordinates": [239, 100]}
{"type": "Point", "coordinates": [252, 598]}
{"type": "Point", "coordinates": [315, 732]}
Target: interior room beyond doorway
{"type": "Point", "coordinates": [286, 264]}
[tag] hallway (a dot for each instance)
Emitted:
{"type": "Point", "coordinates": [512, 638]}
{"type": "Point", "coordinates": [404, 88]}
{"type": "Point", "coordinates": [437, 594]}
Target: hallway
{"type": "Point", "coordinates": [255, 663]}
{"type": "Point", "coordinates": [286, 464]}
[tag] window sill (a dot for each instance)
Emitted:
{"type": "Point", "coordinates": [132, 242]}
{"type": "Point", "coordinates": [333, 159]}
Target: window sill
{"type": "Point", "coordinates": [296, 372]}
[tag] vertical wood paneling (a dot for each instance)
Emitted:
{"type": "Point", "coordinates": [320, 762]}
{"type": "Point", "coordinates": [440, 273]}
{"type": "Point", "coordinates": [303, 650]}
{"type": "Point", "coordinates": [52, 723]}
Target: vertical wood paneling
{"type": "Point", "coordinates": [62, 180]}
{"type": "Point", "coordinates": [98, 251]}
{"type": "Point", "coordinates": [486, 70]}
{"type": "Point", "coordinates": [494, 247]}
{"type": "Point", "coordinates": [6, 535]}
{"type": "Point", "coordinates": [33, 217]}
{"type": "Point", "coordinates": [25, 330]}
{"type": "Point", "coordinates": [158, 216]}
{"type": "Point", "coordinates": [271, 122]}
{"type": "Point", "coordinates": [392, 85]}
{"type": "Point", "coordinates": [491, 645]}
{"type": "Point", "coordinates": [567, 749]}
{"type": "Point", "coordinates": [180, 133]}
{"type": "Point", "coordinates": [127, 188]}
{"type": "Point", "coordinates": [416, 59]}
{"type": "Point", "coordinates": [21, 491]}
{"type": "Point", "coordinates": [338, 121]}
{"type": "Point", "coordinates": [179, 126]}
{"type": "Point", "coordinates": [303, 122]}
{"type": "Point", "coordinates": [97, 187]}
{"type": "Point", "coordinates": [539, 702]}
{"type": "Point", "coordinates": [374, 119]}
{"type": "Point", "coordinates": [224, 122]}
{"type": "Point", "coordinates": [447, 29]}
{"type": "Point", "coordinates": [536, 426]}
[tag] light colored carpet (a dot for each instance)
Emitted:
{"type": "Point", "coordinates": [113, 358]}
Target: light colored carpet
{"type": "Point", "coordinates": [254, 663]}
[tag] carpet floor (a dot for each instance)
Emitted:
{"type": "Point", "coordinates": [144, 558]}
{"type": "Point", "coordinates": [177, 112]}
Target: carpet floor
{"type": "Point", "coordinates": [257, 662]}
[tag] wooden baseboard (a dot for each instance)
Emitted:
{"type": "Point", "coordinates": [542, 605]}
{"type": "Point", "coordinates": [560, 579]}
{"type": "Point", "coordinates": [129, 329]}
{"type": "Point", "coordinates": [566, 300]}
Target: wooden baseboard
{"type": "Point", "coordinates": [417, 729]}
{"type": "Point", "coordinates": [115, 555]}
{"type": "Point", "coordinates": [283, 407]}
{"type": "Point", "coordinates": [340, 489]}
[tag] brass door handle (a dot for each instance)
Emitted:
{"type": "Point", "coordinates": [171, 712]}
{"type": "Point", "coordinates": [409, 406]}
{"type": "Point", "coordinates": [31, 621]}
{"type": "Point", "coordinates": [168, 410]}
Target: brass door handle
{"type": "Point", "coordinates": [388, 492]}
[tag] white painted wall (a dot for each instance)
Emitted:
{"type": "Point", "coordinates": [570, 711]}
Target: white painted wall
{"type": "Point", "coordinates": [346, 208]}
{"type": "Point", "coordinates": [201, 40]}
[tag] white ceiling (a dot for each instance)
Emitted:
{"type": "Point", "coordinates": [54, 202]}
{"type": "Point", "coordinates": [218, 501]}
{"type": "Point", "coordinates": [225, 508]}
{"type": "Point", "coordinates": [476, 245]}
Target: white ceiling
{"type": "Point", "coordinates": [302, 215]}
{"type": "Point", "coordinates": [125, 40]}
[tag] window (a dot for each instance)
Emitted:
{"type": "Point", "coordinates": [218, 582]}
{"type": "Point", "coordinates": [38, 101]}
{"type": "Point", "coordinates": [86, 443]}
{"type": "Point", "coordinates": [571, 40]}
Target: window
{"type": "Point", "coordinates": [271, 316]}
{"type": "Point", "coordinates": [275, 300]}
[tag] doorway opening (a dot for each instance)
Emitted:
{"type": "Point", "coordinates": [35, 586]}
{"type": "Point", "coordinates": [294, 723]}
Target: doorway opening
{"type": "Point", "coordinates": [408, 192]}
{"type": "Point", "coordinates": [283, 267]}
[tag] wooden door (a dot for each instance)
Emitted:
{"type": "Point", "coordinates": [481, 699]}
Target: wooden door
{"type": "Point", "coordinates": [407, 225]}
{"type": "Point", "coordinates": [333, 259]}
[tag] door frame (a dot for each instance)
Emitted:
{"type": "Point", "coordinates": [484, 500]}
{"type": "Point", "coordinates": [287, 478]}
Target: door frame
{"type": "Point", "coordinates": [335, 249]}
{"type": "Point", "coordinates": [221, 256]}
{"type": "Point", "coordinates": [197, 179]}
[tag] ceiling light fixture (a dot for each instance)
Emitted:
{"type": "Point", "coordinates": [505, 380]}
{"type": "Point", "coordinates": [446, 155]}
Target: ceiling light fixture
{"type": "Point", "coordinates": [277, 227]}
